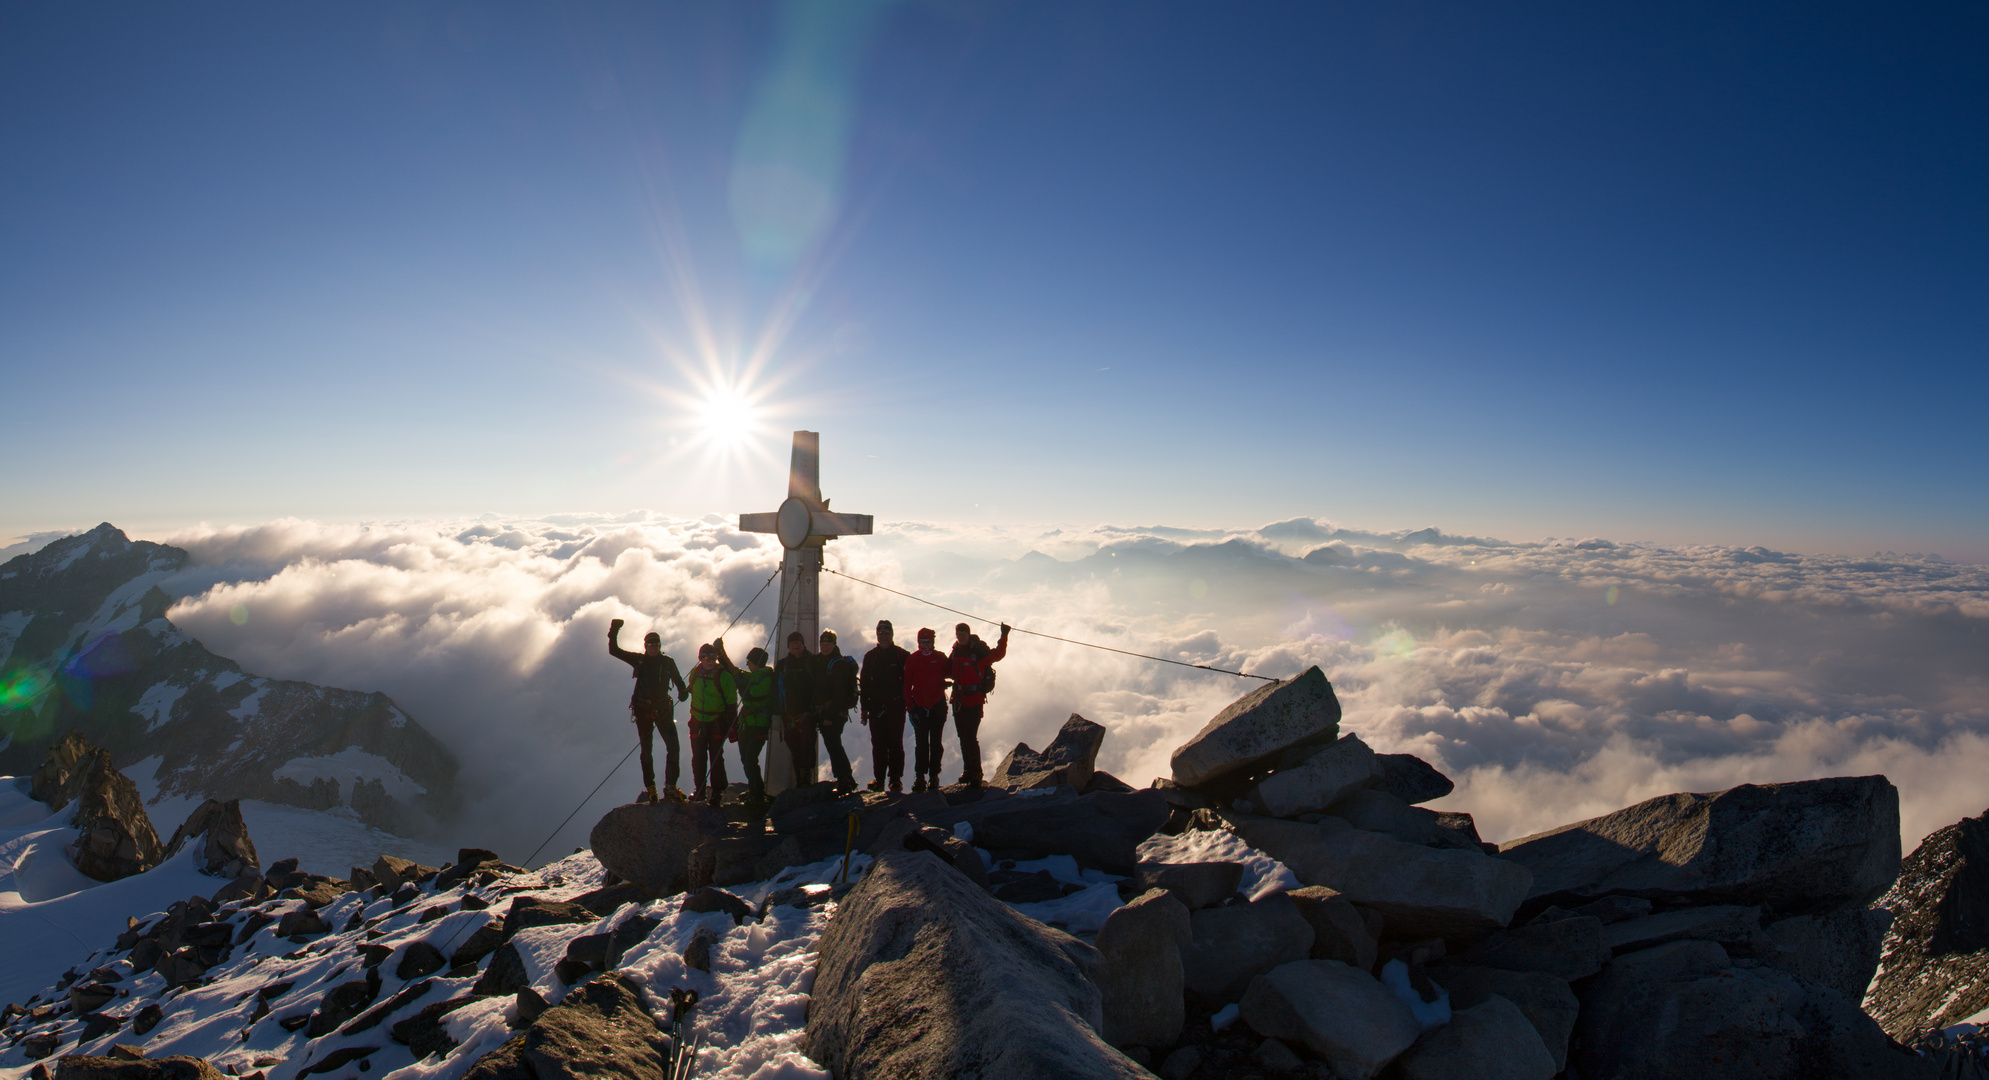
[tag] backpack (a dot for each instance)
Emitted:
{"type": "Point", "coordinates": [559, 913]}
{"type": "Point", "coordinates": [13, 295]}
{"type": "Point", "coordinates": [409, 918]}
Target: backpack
{"type": "Point", "coordinates": [987, 683]}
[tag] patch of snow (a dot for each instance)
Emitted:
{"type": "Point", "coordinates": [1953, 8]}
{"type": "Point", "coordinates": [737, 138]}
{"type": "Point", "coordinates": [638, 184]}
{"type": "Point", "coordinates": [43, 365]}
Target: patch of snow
{"type": "Point", "coordinates": [11, 625]}
{"type": "Point", "coordinates": [1430, 1014]}
{"type": "Point", "coordinates": [17, 806]}
{"type": "Point", "coordinates": [1225, 1016]}
{"type": "Point", "coordinates": [250, 705]}
{"type": "Point", "coordinates": [156, 704]}
{"type": "Point", "coordinates": [69, 560]}
{"type": "Point", "coordinates": [347, 766]}
{"type": "Point", "coordinates": [225, 679]}
{"type": "Point", "coordinates": [39, 939]}
{"type": "Point", "coordinates": [396, 718]}
{"type": "Point", "coordinates": [119, 611]}
{"type": "Point", "coordinates": [1262, 875]}
{"type": "Point", "coordinates": [166, 634]}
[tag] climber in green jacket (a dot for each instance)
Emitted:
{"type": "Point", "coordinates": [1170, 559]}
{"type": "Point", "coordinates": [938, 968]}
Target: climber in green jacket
{"type": "Point", "coordinates": [757, 701]}
{"type": "Point", "coordinates": [714, 708]}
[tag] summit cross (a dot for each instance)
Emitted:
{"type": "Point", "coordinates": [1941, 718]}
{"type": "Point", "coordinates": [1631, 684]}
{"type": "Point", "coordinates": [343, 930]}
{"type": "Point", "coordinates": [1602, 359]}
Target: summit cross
{"type": "Point", "coordinates": [804, 524]}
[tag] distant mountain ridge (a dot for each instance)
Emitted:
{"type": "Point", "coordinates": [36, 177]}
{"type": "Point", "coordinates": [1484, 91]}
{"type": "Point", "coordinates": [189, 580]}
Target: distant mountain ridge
{"type": "Point", "coordinates": [85, 644]}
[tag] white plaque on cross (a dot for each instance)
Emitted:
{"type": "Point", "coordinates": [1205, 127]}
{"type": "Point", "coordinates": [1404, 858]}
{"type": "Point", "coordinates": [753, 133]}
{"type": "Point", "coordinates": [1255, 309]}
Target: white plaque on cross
{"type": "Point", "coordinates": [803, 523]}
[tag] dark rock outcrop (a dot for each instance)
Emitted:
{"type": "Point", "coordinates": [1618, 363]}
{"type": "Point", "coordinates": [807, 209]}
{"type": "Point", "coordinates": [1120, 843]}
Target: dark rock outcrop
{"type": "Point", "coordinates": [1936, 953]}
{"type": "Point", "coordinates": [651, 843]}
{"type": "Point", "coordinates": [1069, 760]}
{"type": "Point", "coordinates": [1814, 845]}
{"type": "Point", "coordinates": [1720, 1020]}
{"type": "Point", "coordinates": [923, 974]}
{"type": "Point", "coordinates": [226, 850]}
{"type": "Point", "coordinates": [115, 838]}
{"type": "Point", "coordinates": [1411, 779]}
{"type": "Point", "coordinates": [79, 1067]}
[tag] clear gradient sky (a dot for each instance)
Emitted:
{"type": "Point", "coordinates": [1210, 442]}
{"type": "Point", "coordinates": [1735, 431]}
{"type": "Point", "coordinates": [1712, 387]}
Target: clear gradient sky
{"type": "Point", "coordinates": [1686, 273]}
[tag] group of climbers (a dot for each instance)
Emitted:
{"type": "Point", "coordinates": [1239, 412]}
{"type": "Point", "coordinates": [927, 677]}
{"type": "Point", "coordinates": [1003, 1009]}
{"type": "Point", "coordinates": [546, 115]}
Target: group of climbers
{"type": "Point", "coordinates": [813, 694]}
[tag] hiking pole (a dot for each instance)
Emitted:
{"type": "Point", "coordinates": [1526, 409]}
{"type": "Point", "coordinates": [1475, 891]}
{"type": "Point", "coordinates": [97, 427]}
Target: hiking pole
{"type": "Point", "coordinates": [848, 846]}
{"type": "Point", "coordinates": [677, 1066]}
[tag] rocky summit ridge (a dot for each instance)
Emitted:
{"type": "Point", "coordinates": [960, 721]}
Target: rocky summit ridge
{"type": "Point", "coordinates": [1282, 906]}
{"type": "Point", "coordinates": [85, 645]}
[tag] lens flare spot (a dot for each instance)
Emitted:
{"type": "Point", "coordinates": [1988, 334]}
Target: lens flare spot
{"type": "Point", "coordinates": [239, 614]}
{"type": "Point", "coordinates": [22, 687]}
{"type": "Point", "coordinates": [1609, 596]}
{"type": "Point", "coordinates": [1396, 642]}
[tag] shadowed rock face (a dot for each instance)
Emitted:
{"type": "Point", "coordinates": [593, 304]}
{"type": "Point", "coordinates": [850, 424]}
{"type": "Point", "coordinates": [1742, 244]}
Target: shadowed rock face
{"type": "Point", "coordinates": [921, 973]}
{"type": "Point", "coordinates": [1935, 969]}
{"type": "Point", "coordinates": [83, 626]}
{"type": "Point", "coordinates": [1801, 847]}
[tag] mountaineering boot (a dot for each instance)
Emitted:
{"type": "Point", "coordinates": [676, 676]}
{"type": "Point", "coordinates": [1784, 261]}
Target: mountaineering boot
{"type": "Point", "coordinates": [697, 794]}
{"type": "Point", "coordinates": [717, 793]}
{"type": "Point", "coordinates": [648, 795]}
{"type": "Point", "coordinates": [896, 787]}
{"type": "Point", "coordinates": [877, 784]}
{"type": "Point", "coordinates": [918, 785]}
{"type": "Point", "coordinates": [671, 793]}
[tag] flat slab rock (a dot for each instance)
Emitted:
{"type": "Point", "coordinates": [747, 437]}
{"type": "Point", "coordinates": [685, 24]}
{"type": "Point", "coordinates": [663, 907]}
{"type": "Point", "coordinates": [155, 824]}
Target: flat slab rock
{"type": "Point", "coordinates": [1805, 846]}
{"type": "Point", "coordinates": [1259, 726]}
{"type": "Point", "coordinates": [1421, 891]}
{"type": "Point", "coordinates": [923, 974]}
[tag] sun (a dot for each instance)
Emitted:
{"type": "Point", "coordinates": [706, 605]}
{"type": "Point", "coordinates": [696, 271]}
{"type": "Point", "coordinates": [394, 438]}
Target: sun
{"type": "Point", "coordinates": [726, 418]}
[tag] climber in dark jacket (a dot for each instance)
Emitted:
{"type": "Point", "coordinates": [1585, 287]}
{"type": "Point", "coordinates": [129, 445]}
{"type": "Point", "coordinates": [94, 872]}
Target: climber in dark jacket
{"type": "Point", "coordinates": [650, 707]}
{"type": "Point", "coordinates": [883, 701]}
{"type": "Point", "coordinates": [836, 688]}
{"type": "Point", "coordinates": [797, 678]}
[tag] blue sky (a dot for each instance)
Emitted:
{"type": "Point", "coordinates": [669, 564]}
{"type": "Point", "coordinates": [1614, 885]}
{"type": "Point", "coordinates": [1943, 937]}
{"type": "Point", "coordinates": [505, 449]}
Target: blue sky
{"type": "Point", "coordinates": [1685, 273]}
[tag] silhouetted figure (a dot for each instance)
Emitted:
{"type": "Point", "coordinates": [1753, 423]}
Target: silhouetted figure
{"type": "Point", "coordinates": [925, 700]}
{"type": "Point", "coordinates": [798, 678]}
{"type": "Point", "coordinates": [650, 706]}
{"type": "Point", "coordinates": [838, 695]}
{"type": "Point", "coordinates": [883, 700]}
{"type": "Point", "coordinates": [971, 665]}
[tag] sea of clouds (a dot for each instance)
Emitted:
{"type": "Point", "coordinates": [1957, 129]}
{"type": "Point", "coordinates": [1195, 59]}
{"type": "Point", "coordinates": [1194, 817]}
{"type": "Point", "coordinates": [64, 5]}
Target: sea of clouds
{"type": "Point", "coordinates": [1553, 680]}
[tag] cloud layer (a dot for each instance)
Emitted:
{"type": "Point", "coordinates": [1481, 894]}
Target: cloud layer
{"type": "Point", "coordinates": [1554, 680]}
